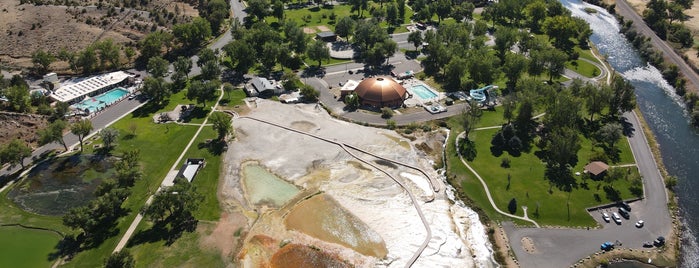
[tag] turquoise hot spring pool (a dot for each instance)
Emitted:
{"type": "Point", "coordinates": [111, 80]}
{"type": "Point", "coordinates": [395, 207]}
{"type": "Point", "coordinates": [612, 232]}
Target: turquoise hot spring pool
{"type": "Point", "coordinates": [100, 101]}
{"type": "Point", "coordinates": [423, 92]}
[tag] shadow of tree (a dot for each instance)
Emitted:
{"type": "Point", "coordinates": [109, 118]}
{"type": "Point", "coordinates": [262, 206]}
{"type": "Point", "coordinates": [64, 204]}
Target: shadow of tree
{"type": "Point", "coordinates": [168, 230]}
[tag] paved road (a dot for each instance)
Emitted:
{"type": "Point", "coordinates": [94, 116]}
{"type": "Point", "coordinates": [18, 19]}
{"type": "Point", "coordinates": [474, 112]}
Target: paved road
{"type": "Point", "coordinates": [623, 8]}
{"type": "Point", "coordinates": [554, 247]}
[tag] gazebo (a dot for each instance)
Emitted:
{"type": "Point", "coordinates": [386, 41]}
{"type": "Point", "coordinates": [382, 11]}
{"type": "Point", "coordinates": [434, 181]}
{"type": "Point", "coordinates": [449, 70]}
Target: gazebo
{"type": "Point", "coordinates": [596, 169]}
{"type": "Point", "coordinates": [380, 92]}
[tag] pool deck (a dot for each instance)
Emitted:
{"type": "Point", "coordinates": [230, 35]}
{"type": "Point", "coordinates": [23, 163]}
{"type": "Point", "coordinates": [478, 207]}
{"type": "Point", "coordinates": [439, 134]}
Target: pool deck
{"type": "Point", "coordinates": [416, 100]}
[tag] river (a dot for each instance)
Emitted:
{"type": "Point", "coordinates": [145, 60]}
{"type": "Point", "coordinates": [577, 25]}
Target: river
{"type": "Point", "coordinates": [664, 112]}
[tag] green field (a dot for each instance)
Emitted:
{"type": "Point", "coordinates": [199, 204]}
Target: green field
{"type": "Point", "coordinates": [21, 247]}
{"type": "Point", "coordinates": [320, 16]}
{"type": "Point", "coordinates": [527, 184]}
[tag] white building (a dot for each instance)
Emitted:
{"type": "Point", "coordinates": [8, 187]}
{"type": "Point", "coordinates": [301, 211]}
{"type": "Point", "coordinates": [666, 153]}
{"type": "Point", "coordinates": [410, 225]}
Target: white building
{"type": "Point", "coordinates": [72, 93]}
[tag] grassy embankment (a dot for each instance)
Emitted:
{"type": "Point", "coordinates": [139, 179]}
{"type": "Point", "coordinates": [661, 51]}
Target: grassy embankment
{"type": "Point", "coordinates": [547, 204]}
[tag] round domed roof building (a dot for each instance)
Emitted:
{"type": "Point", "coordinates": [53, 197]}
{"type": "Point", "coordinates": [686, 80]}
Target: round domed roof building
{"type": "Point", "coordinates": [381, 92]}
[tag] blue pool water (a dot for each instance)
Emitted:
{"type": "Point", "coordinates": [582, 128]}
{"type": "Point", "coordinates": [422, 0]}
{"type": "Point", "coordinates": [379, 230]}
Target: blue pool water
{"type": "Point", "coordinates": [423, 92]}
{"type": "Point", "coordinates": [100, 101]}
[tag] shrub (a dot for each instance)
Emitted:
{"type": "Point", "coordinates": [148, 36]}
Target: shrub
{"type": "Point", "coordinates": [505, 162]}
{"type": "Point", "coordinates": [391, 124]}
{"type": "Point", "coordinates": [386, 112]}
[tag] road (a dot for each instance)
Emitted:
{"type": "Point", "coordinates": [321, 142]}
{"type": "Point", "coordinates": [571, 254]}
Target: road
{"type": "Point", "coordinates": [553, 245]}
{"type": "Point", "coordinates": [623, 9]}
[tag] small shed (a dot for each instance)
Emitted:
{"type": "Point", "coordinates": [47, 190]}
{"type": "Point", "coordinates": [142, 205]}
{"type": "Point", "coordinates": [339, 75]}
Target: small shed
{"type": "Point", "coordinates": [596, 169]}
{"type": "Point", "coordinates": [190, 168]}
{"type": "Point", "coordinates": [327, 36]}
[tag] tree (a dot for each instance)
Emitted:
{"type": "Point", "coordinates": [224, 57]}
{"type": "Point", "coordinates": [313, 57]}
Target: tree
{"type": "Point", "coordinates": [455, 74]}
{"type": "Point", "coordinates": [415, 38]}
{"type": "Point", "coordinates": [512, 206]}
{"type": "Point", "coordinates": [483, 67]}
{"type": "Point", "coordinates": [623, 97]}
{"type": "Point", "coordinates": [563, 110]}
{"type": "Point", "coordinates": [596, 99]}
{"type": "Point", "coordinates": [81, 129]}
{"type": "Point", "coordinates": [120, 259]}
{"type": "Point", "coordinates": [392, 14]}
{"type": "Point", "coordinates": [555, 63]}
{"type": "Point", "coordinates": [242, 53]}
{"type": "Point", "coordinates": [278, 10]}
{"type": "Point", "coordinates": [515, 65]}
{"type": "Point", "coordinates": [87, 60]}
{"type": "Point", "coordinates": [228, 88]}
{"type": "Point", "coordinates": [258, 8]}
{"type": "Point", "coordinates": [318, 51]}
{"type": "Point", "coordinates": [523, 122]}
{"type": "Point", "coordinates": [192, 34]}
{"type": "Point", "coordinates": [401, 9]}
{"type": "Point", "coordinates": [157, 67]}
{"type": "Point", "coordinates": [127, 171]}
{"type": "Point", "coordinates": [345, 27]}
{"type": "Point", "coordinates": [182, 65]}
{"type": "Point", "coordinates": [442, 8]}
{"type": "Point", "coordinates": [155, 88]}
{"type": "Point", "coordinates": [18, 97]}
{"type": "Point", "coordinates": [535, 13]}
{"type": "Point", "coordinates": [298, 40]}
{"type": "Point", "coordinates": [152, 45]}
{"type": "Point", "coordinates": [359, 6]}
{"type": "Point", "coordinates": [309, 93]}
{"type": "Point", "coordinates": [508, 107]}
{"type": "Point", "coordinates": [80, 218]}
{"type": "Point", "coordinates": [42, 61]}
{"type": "Point", "coordinates": [561, 155]}
{"type": "Point", "coordinates": [609, 134]}
{"type": "Point", "coordinates": [216, 12]}
{"type": "Point", "coordinates": [203, 91]}
{"type": "Point", "coordinates": [174, 205]}
{"type": "Point", "coordinates": [505, 38]}
{"type": "Point", "coordinates": [211, 71]}
{"type": "Point", "coordinates": [222, 124]}
{"type": "Point", "coordinates": [352, 101]}
{"type": "Point", "coordinates": [108, 52]}
{"type": "Point", "coordinates": [53, 133]}
{"type": "Point", "coordinates": [15, 152]}
{"type": "Point", "coordinates": [109, 137]}
{"type": "Point", "coordinates": [463, 11]}
{"type": "Point", "coordinates": [470, 117]}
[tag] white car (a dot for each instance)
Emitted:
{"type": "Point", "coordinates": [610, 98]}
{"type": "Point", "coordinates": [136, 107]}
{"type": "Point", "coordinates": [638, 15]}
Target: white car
{"type": "Point", "coordinates": [605, 216]}
{"type": "Point", "coordinates": [639, 224]}
{"type": "Point", "coordinates": [616, 218]}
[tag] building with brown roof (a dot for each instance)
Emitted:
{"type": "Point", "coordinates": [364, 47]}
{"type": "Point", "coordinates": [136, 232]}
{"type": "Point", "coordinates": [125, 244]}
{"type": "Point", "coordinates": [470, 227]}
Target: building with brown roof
{"type": "Point", "coordinates": [596, 169]}
{"type": "Point", "coordinates": [381, 92]}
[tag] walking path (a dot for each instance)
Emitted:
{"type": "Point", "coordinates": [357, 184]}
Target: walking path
{"type": "Point", "coordinates": [487, 191]}
{"type": "Point", "coordinates": [346, 148]}
{"type": "Point", "coordinates": [134, 224]}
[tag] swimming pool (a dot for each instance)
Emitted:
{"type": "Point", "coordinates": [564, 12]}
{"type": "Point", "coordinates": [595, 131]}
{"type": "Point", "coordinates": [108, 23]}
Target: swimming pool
{"type": "Point", "coordinates": [100, 101]}
{"type": "Point", "coordinates": [423, 92]}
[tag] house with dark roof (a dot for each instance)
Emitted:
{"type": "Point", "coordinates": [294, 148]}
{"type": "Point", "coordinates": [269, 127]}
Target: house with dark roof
{"type": "Point", "coordinates": [262, 86]}
{"type": "Point", "coordinates": [327, 36]}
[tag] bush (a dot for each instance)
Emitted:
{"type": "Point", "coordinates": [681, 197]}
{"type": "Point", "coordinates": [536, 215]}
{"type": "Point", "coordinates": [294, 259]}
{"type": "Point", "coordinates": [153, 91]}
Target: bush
{"type": "Point", "coordinates": [505, 162]}
{"type": "Point", "coordinates": [391, 124]}
{"type": "Point", "coordinates": [386, 112]}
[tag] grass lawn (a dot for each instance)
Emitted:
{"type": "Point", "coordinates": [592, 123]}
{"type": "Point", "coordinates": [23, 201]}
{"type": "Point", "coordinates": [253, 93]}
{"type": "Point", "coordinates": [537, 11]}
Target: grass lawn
{"type": "Point", "coordinates": [185, 252]}
{"type": "Point", "coordinates": [22, 247]}
{"type": "Point", "coordinates": [527, 184]}
{"type": "Point", "coordinates": [233, 98]}
{"type": "Point", "coordinates": [160, 145]}
{"type": "Point", "coordinates": [206, 180]}
{"type": "Point", "coordinates": [584, 68]}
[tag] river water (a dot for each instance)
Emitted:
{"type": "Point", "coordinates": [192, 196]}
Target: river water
{"type": "Point", "coordinates": [664, 112]}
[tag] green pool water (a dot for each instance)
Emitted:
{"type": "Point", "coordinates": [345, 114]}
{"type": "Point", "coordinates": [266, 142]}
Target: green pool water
{"type": "Point", "coordinates": [264, 188]}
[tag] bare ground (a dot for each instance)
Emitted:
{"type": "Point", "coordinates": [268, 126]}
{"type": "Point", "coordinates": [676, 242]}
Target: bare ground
{"type": "Point", "coordinates": [21, 126]}
{"type": "Point", "coordinates": [26, 28]}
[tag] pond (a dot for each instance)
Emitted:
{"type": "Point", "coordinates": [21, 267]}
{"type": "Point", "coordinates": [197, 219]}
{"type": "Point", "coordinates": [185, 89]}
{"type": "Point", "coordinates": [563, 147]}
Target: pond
{"type": "Point", "coordinates": [324, 218]}
{"type": "Point", "coordinates": [55, 186]}
{"type": "Point", "coordinates": [264, 188]}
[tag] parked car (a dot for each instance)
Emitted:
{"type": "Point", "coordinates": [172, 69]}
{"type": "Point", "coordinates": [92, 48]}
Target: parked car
{"type": "Point", "coordinates": [659, 241]}
{"type": "Point", "coordinates": [625, 205]}
{"type": "Point", "coordinates": [606, 246]}
{"type": "Point", "coordinates": [624, 213]}
{"type": "Point", "coordinates": [639, 224]}
{"type": "Point", "coordinates": [605, 216]}
{"type": "Point", "coordinates": [647, 244]}
{"type": "Point", "coordinates": [616, 218]}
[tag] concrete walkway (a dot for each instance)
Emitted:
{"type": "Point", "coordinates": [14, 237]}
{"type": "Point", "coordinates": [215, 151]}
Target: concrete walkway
{"type": "Point", "coordinates": [485, 187]}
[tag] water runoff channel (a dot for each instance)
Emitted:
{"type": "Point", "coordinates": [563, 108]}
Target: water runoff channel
{"type": "Point", "coordinates": [664, 112]}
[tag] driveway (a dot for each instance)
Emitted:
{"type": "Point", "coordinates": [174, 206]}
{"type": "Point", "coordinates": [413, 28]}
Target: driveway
{"type": "Point", "coordinates": [563, 247]}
